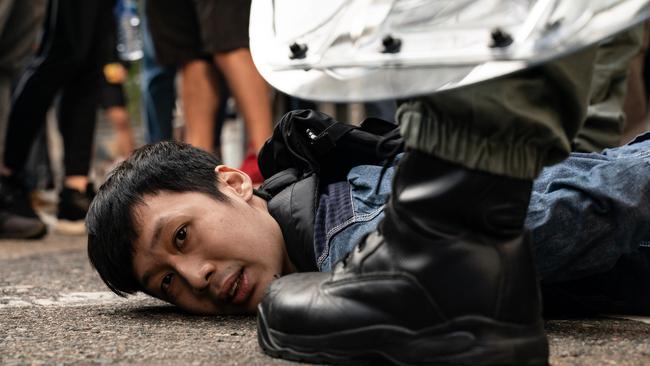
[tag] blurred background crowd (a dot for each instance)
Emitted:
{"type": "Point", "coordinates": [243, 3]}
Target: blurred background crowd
{"type": "Point", "coordinates": [83, 83]}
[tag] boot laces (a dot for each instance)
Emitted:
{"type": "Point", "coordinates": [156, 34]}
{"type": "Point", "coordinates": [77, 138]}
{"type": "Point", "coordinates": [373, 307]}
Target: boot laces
{"type": "Point", "coordinates": [357, 249]}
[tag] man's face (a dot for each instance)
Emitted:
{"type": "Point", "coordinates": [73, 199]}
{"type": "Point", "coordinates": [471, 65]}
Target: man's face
{"type": "Point", "coordinates": [206, 256]}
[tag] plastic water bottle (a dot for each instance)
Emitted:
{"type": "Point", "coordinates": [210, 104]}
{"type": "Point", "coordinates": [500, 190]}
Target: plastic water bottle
{"type": "Point", "coordinates": [129, 39]}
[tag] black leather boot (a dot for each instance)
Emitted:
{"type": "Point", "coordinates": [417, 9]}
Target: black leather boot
{"type": "Point", "coordinates": [447, 279]}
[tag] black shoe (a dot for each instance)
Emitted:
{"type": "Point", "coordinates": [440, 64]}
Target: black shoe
{"type": "Point", "coordinates": [14, 226]}
{"type": "Point", "coordinates": [14, 197]}
{"type": "Point", "coordinates": [447, 279]}
{"type": "Point", "coordinates": [72, 209]}
{"type": "Point", "coordinates": [18, 220]}
{"type": "Point", "coordinates": [90, 192]}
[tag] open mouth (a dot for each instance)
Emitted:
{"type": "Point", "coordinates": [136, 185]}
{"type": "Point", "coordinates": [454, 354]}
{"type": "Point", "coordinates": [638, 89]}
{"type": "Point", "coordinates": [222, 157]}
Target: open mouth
{"type": "Point", "coordinates": [235, 285]}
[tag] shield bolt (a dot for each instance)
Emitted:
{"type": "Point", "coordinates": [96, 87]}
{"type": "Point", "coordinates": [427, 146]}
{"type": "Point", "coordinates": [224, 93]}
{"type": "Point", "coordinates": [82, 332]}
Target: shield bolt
{"type": "Point", "coordinates": [391, 44]}
{"type": "Point", "coordinates": [298, 50]}
{"type": "Point", "coordinates": [500, 39]}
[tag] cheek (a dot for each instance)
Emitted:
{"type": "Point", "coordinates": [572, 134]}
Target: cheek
{"type": "Point", "coordinates": [260, 288]}
{"type": "Point", "coordinates": [235, 239]}
{"type": "Point", "coordinates": [220, 235]}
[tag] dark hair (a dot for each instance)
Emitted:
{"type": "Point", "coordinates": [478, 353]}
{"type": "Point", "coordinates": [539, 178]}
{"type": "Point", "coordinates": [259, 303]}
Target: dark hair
{"type": "Point", "coordinates": [164, 166]}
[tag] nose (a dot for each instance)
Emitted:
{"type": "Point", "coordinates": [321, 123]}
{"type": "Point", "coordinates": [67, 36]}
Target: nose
{"type": "Point", "coordinates": [197, 274]}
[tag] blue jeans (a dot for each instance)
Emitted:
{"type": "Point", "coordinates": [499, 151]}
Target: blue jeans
{"type": "Point", "coordinates": [585, 213]}
{"type": "Point", "coordinates": [158, 92]}
{"type": "Point", "coordinates": [588, 211]}
{"type": "Point", "coordinates": [351, 211]}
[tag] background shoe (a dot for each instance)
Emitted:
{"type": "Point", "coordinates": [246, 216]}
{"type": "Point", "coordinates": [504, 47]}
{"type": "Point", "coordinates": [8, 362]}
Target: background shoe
{"type": "Point", "coordinates": [14, 226]}
{"type": "Point", "coordinates": [90, 192]}
{"type": "Point", "coordinates": [72, 208]}
{"type": "Point", "coordinates": [18, 220]}
{"type": "Point", "coordinates": [14, 197]}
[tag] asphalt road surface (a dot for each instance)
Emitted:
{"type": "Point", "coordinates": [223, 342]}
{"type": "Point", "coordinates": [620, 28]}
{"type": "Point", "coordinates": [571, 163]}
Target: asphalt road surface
{"type": "Point", "coordinates": [54, 310]}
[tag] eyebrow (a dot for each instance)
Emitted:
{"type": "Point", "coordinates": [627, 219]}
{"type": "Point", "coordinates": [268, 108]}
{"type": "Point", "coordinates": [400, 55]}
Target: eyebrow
{"type": "Point", "coordinates": [157, 232]}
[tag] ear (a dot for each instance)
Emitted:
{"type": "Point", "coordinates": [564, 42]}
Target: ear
{"type": "Point", "coordinates": [236, 181]}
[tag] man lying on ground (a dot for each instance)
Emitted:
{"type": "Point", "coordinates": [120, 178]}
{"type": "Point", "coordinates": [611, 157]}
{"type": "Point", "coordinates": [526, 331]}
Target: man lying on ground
{"type": "Point", "coordinates": [173, 222]}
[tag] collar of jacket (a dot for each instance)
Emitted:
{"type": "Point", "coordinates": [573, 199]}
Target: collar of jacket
{"type": "Point", "coordinates": [292, 204]}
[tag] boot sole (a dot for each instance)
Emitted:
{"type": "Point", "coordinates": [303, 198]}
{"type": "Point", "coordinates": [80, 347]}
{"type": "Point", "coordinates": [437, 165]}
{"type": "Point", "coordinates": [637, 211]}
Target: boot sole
{"type": "Point", "coordinates": [471, 340]}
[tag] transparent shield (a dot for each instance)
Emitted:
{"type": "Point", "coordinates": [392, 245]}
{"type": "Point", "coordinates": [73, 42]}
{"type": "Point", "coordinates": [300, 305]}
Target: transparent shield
{"type": "Point", "coordinates": [358, 50]}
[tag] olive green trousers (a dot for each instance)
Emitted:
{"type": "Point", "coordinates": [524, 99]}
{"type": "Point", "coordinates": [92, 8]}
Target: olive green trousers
{"type": "Point", "coordinates": [512, 126]}
{"type": "Point", "coordinates": [605, 122]}
{"type": "Point", "coordinates": [519, 123]}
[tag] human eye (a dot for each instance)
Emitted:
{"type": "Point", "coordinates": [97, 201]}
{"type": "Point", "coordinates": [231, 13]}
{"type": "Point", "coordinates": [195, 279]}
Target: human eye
{"type": "Point", "coordinates": [166, 283]}
{"type": "Point", "coordinates": [180, 236]}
